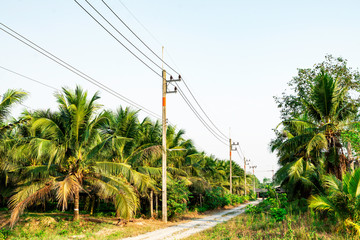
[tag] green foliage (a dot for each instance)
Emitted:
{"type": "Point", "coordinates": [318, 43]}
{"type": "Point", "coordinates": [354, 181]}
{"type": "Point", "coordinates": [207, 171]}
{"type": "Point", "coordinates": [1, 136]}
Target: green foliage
{"type": "Point", "coordinates": [278, 213]}
{"type": "Point", "coordinates": [4, 233]}
{"type": "Point", "coordinates": [352, 135]}
{"type": "Point", "coordinates": [275, 205]}
{"type": "Point", "coordinates": [178, 197]}
{"type": "Point", "coordinates": [341, 200]}
{"type": "Point", "coordinates": [236, 199]}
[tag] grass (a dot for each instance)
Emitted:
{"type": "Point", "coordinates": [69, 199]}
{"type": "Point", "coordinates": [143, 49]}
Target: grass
{"type": "Point", "coordinates": [59, 226]}
{"type": "Point", "coordinates": [261, 226]}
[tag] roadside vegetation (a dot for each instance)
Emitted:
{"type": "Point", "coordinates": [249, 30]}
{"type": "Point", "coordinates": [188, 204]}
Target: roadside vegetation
{"type": "Point", "coordinates": [96, 167]}
{"type": "Point", "coordinates": [317, 188]}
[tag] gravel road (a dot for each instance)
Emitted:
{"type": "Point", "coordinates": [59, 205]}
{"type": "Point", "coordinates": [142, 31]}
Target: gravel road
{"type": "Point", "coordinates": [187, 229]}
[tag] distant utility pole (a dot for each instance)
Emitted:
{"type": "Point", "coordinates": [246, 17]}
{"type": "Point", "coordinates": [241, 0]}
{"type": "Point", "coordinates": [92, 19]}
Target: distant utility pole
{"type": "Point", "coordinates": [253, 168]}
{"type": "Point", "coordinates": [231, 149]}
{"type": "Point", "coordinates": [246, 162]}
{"type": "Point", "coordinates": [164, 147]}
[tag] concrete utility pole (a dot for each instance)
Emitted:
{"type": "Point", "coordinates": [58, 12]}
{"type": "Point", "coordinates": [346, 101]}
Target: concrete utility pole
{"type": "Point", "coordinates": [231, 149]}
{"type": "Point", "coordinates": [164, 194]}
{"type": "Point", "coordinates": [164, 147]}
{"type": "Point", "coordinates": [246, 162]}
{"type": "Point", "coordinates": [253, 168]}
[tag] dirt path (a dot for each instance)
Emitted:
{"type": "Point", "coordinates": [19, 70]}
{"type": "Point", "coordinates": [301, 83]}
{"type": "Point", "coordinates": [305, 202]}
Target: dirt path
{"type": "Point", "coordinates": [187, 229]}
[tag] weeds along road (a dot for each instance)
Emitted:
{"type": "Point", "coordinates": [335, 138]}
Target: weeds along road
{"type": "Point", "coordinates": [187, 229]}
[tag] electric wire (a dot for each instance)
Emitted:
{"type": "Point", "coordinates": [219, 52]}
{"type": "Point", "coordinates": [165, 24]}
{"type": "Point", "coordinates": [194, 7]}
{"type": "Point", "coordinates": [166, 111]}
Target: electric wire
{"type": "Point", "coordinates": [31, 79]}
{"type": "Point", "coordinates": [239, 154]}
{"type": "Point", "coordinates": [138, 58]}
{"type": "Point", "coordinates": [75, 70]}
{"type": "Point", "coordinates": [187, 87]}
{"type": "Point", "coordinates": [187, 101]}
{"type": "Point", "coordinates": [138, 37]}
{"type": "Point", "coordinates": [106, 20]}
{"type": "Point", "coordinates": [199, 117]}
{"type": "Point", "coordinates": [196, 112]}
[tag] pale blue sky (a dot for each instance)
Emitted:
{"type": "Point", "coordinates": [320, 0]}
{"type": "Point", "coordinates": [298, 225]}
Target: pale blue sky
{"type": "Point", "coordinates": [235, 55]}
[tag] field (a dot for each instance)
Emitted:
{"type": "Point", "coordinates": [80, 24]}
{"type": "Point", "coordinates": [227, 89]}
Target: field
{"type": "Point", "coordinates": [261, 226]}
{"type": "Point", "coordinates": [60, 226]}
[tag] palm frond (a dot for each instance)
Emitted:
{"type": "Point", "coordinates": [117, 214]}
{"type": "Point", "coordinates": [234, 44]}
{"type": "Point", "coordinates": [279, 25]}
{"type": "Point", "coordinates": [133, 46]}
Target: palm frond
{"type": "Point", "coordinates": [27, 195]}
{"type": "Point", "coordinates": [65, 190]}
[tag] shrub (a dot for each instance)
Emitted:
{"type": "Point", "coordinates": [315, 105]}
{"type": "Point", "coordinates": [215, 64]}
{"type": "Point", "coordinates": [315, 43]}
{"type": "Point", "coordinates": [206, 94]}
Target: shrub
{"type": "Point", "coordinates": [178, 197]}
{"type": "Point", "coordinates": [274, 205]}
{"type": "Point", "coordinates": [278, 213]}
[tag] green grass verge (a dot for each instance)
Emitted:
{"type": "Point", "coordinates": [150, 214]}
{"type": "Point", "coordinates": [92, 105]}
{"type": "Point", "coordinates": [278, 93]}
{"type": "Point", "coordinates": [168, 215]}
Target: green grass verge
{"type": "Point", "coordinates": [261, 226]}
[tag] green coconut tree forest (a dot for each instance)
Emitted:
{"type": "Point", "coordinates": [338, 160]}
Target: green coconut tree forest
{"type": "Point", "coordinates": [81, 156]}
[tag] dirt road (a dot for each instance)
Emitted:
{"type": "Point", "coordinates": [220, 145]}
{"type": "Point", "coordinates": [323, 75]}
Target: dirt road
{"type": "Point", "coordinates": [187, 229]}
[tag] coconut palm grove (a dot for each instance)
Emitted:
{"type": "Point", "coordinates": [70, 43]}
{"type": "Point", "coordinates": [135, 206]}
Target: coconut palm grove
{"type": "Point", "coordinates": [168, 120]}
{"type": "Point", "coordinates": [83, 160]}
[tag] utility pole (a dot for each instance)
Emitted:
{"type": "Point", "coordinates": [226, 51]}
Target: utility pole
{"type": "Point", "coordinates": [231, 149]}
{"type": "Point", "coordinates": [164, 147]}
{"type": "Point", "coordinates": [164, 194]}
{"type": "Point", "coordinates": [246, 162]}
{"type": "Point", "coordinates": [253, 168]}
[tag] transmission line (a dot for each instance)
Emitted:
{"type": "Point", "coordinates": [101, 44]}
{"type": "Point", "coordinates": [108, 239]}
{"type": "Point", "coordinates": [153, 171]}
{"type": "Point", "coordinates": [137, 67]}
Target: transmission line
{"type": "Point", "coordinates": [199, 117]}
{"type": "Point", "coordinates": [75, 70]}
{"type": "Point", "coordinates": [187, 87]}
{"type": "Point", "coordinates": [138, 58]}
{"type": "Point", "coordinates": [182, 94]}
{"type": "Point", "coordinates": [31, 79]}
{"type": "Point", "coordinates": [106, 20]}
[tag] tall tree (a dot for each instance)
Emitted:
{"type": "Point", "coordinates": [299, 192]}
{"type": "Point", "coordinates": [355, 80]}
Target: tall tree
{"type": "Point", "coordinates": [67, 144]}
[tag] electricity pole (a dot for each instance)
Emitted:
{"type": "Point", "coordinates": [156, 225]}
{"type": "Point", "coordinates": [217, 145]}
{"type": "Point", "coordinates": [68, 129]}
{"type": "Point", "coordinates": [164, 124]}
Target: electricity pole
{"type": "Point", "coordinates": [246, 162]}
{"type": "Point", "coordinates": [164, 196]}
{"type": "Point", "coordinates": [253, 168]}
{"type": "Point", "coordinates": [164, 147]}
{"type": "Point", "coordinates": [231, 149]}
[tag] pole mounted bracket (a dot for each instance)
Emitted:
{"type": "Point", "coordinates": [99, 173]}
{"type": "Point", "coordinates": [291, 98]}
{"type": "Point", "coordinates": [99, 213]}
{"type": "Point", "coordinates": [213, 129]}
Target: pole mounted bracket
{"type": "Point", "coordinates": [234, 144]}
{"type": "Point", "coordinates": [171, 81]}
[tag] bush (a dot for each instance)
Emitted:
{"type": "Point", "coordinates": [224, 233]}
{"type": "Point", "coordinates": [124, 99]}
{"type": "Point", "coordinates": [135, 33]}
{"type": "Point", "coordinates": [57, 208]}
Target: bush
{"type": "Point", "coordinates": [178, 197]}
{"type": "Point", "coordinates": [215, 198]}
{"type": "Point", "coordinates": [278, 213]}
{"type": "Point", "coordinates": [253, 209]}
{"type": "Point", "coordinates": [275, 205]}
{"type": "Point", "coordinates": [4, 233]}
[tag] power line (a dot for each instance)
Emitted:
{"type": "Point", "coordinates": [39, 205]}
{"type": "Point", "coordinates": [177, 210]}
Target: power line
{"type": "Point", "coordinates": [187, 87]}
{"type": "Point", "coordinates": [239, 154]}
{"type": "Point", "coordinates": [105, 19]}
{"type": "Point", "coordinates": [199, 117]}
{"type": "Point", "coordinates": [138, 58]}
{"type": "Point", "coordinates": [31, 79]}
{"type": "Point", "coordinates": [75, 70]}
{"type": "Point", "coordinates": [197, 113]}
{"type": "Point", "coordinates": [182, 94]}
{"type": "Point", "coordinates": [137, 36]}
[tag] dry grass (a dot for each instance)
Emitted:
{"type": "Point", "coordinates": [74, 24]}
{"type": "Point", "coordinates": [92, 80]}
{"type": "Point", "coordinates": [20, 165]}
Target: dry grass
{"type": "Point", "coordinates": [252, 227]}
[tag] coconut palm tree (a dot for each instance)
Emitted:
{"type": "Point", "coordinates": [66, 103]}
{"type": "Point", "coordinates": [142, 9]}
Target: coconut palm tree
{"type": "Point", "coordinates": [314, 137]}
{"type": "Point", "coordinates": [8, 100]}
{"type": "Point", "coordinates": [67, 145]}
{"type": "Point", "coordinates": [342, 199]}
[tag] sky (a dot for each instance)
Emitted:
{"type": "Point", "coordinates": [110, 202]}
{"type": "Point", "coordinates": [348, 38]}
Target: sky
{"type": "Point", "coordinates": [234, 55]}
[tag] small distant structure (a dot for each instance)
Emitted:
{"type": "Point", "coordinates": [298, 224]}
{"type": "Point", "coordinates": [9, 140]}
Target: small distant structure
{"type": "Point", "coordinates": [279, 189]}
{"type": "Point", "coordinates": [260, 192]}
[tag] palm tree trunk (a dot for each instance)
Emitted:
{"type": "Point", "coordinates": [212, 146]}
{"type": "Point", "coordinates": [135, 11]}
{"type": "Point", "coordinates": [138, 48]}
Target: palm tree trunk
{"type": "Point", "coordinates": [156, 205]}
{"type": "Point", "coordinates": [92, 205]}
{"type": "Point", "coordinates": [350, 157]}
{"type": "Point", "coordinates": [76, 204]}
{"type": "Point", "coordinates": [152, 204]}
